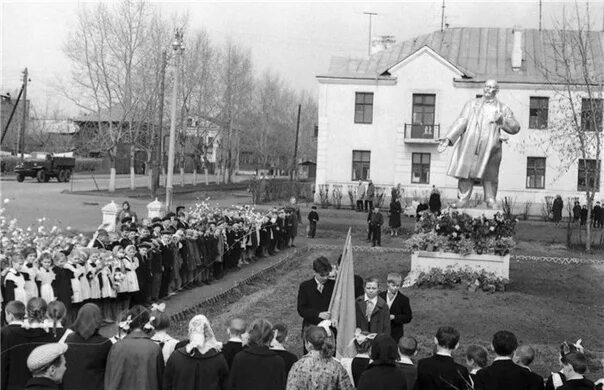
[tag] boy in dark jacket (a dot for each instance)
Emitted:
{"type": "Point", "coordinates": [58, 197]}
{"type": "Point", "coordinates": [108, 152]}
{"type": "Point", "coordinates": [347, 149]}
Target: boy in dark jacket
{"type": "Point", "coordinates": [377, 220]}
{"type": "Point", "coordinates": [503, 373]}
{"type": "Point", "coordinates": [440, 371]}
{"type": "Point", "coordinates": [313, 218]}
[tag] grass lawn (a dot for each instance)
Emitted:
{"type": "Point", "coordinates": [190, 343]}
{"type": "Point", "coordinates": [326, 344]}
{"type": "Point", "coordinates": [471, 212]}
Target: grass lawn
{"type": "Point", "coordinates": [545, 304]}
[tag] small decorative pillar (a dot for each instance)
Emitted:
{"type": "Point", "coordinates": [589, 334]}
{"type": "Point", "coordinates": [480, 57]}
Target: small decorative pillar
{"type": "Point", "coordinates": [109, 214]}
{"type": "Point", "coordinates": [155, 209]}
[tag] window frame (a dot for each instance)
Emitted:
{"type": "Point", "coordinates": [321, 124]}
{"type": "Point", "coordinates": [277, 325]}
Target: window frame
{"type": "Point", "coordinates": [585, 123]}
{"type": "Point", "coordinates": [362, 163]}
{"type": "Point", "coordinates": [422, 167]}
{"type": "Point", "coordinates": [363, 107]}
{"type": "Point", "coordinates": [534, 117]}
{"type": "Point", "coordinates": [580, 175]}
{"type": "Point", "coordinates": [534, 171]}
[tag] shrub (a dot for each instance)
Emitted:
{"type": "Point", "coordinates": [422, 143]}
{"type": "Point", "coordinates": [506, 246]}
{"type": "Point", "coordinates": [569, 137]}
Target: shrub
{"type": "Point", "coordinates": [468, 278]}
{"type": "Point", "coordinates": [460, 233]}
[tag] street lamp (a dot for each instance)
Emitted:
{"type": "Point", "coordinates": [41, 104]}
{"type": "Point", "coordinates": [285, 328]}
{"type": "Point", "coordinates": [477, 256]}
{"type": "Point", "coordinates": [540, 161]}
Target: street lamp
{"type": "Point", "coordinates": [179, 48]}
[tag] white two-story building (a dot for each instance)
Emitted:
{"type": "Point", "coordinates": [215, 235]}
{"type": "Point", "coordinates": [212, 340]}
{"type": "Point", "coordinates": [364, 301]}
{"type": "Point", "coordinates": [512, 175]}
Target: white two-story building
{"type": "Point", "coordinates": [380, 116]}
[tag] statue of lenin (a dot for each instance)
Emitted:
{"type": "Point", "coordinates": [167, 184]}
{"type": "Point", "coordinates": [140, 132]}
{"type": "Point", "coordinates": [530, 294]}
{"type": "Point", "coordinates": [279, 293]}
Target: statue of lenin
{"type": "Point", "coordinates": [476, 135]}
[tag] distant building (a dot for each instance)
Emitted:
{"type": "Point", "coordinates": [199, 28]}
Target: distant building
{"type": "Point", "coordinates": [380, 117]}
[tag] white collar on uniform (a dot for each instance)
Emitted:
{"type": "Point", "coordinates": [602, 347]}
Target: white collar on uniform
{"type": "Point", "coordinates": [373, 300]}
{"type": "Point", "coordinates": [405, 360]}
{"type": "Point", "coordinates": [388, 300]}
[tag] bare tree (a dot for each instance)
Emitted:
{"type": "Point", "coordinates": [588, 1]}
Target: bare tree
{"type": "Point", "coordinates": [202, 101]}
{"type": "Point", "coordinates": [106, 51]}
{"type": "Point", "coordinates": [236, 81]}
{"type": "Point", "coordinates": [576, 75]}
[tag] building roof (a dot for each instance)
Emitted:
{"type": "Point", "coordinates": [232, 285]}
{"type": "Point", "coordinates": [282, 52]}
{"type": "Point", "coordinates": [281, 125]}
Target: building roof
{"type": "Point", "coordinates": [114, 114]}
{"type": "Point", "coordinates": [478, 53]}
{"type": "Point", "coordinates": [55, 126]}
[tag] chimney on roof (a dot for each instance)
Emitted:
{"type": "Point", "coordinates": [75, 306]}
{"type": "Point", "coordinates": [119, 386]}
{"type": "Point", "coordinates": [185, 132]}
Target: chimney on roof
{"type": "Point", "coordinates": [517, 50]}
{"type": "Point", "coordinates": [381, 42]}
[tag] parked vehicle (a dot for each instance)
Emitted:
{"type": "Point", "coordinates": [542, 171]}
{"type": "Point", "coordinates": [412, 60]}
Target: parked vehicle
{"type": "Point", "coordinates": [44, 166]}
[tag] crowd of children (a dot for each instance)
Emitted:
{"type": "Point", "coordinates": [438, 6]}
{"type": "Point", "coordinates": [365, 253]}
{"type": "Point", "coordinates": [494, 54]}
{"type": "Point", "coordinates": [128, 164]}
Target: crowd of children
{"type": "Point", "coordinates": [139, 263]}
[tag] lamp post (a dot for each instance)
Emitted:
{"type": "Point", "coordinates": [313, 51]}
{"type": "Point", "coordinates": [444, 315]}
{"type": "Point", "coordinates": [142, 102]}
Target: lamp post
{"type": "Point", "coordinates": [179, 48]}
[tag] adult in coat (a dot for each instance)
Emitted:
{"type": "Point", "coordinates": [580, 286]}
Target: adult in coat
{"type": "Point", "coordinates": [476, 135]}
{"type": "Point", "coordinates": [434, 202]}
{"type": "Point", "coordinates": [136, 361]}
{"type": "Point", "coordinates": [18, 342]}
{"type": "Point", "coordinates": [199, 364]}
{"type": "Point", "coordinates": [398, 304]}
{"type": "Point", "coordinates": [372, 312]}
{"type": "Point", "coordinates": [314, 295]}
{"type": "Point", "coordinates": [360, 195]}
{"type": "Point", "coordinates": [88, 350]}
{"type": "Point", "coordinates": [557, 209]}
{"type": "Point", "coordinates": [257, 367]}
{"type": "Point", "coordinates": [394, 220]}
{"type": "Point", "coordinates": [382, 373]}
{"type": "Point", "coordinates": [369, 196]}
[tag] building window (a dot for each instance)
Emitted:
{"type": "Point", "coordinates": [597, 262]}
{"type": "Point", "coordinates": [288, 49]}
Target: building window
{"type": "Point", "coordinates": [420, 168]}
{"type": "Point", "coordinates": [363, 107]}
{"type": "Point", "coordinates": [423, 115]}
{"type": "Point", "coordinates": [189, 122]}
{"type": "Point", "coordinates": [535, 172]}
{"type": "Point", "coordinates": [316, 132]}
{"type": "Point", "coordinates": [591, 114]}
{"type": "Point", "coordinates": [591, 169]}
{"type": "Point", "coordinates": [360, 164]}
{"type": "Point", "coordinates": [538, 111]}
{"type": "Point", "coordinates": [210, 142]}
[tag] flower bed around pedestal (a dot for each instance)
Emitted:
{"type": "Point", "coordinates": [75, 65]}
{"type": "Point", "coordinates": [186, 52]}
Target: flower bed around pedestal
{"type": "Point", "coordinates": [457, 243]}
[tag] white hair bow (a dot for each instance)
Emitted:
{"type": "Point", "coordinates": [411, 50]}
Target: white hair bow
{"type": "Point", "coordinates": [125, 325]}
{"type": "Point", "coordinates": [149, 325]}
{"type": "Point", "coordinates": [161, 307]}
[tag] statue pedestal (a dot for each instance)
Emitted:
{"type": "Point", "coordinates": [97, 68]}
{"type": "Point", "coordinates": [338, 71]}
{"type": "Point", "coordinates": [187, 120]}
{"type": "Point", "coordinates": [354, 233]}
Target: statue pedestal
{"type": "Point", "coordinates": [477, 212]}
{"type": "Point", "coordinates": [424, 261]}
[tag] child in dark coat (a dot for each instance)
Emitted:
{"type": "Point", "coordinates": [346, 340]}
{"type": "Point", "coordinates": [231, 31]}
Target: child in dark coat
{"type": "Point", "coordinates": [313, 218]}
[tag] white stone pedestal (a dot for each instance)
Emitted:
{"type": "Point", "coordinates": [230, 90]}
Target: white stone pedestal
{"type": "Point", "coordinates": [110, 211]}
{"type": "Point", "coordinates": [155, 209]}
{"type": "Point", "coordinates": [424, 261]}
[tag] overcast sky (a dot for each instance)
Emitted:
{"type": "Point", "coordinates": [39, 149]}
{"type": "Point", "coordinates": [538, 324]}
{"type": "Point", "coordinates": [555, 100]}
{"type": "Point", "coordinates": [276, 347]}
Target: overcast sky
{"type": "Point", "coordinates": [297, 39]}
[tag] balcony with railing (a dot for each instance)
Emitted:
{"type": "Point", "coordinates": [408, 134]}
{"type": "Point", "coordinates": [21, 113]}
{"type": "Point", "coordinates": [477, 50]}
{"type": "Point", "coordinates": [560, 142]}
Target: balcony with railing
{"type": "Point", "coordinates": [416, 133]}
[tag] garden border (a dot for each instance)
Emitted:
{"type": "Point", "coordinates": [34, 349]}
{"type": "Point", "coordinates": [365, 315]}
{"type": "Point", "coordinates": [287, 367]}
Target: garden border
{"type": "Point", "coordinates": [186, 312]}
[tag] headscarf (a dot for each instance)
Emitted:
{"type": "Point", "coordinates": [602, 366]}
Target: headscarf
{"type": "Point", "coordinates": [88, 321]}
{"type": "Point", "coordinates": [201, 335]}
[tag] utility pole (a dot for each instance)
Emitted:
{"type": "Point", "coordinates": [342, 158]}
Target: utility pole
{"type": "Point", "coordinates": [21, 141]}
{"type": "Point", "coordinates": [158, 146]}
{"type": "Point", "coordinates": [442, 18]}
{"type": "Point", "coordinates": [178, 47]}
{"type": "Point", "coordinates": [371, 14]}
{"type": "Point", "coordinates": [291, 176]}
{"type": "Point", "coordinates": [10, 118]}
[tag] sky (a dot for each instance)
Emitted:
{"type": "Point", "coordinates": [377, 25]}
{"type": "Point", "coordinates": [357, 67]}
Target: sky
{"type": "Point", "coordinates": [295, 39]}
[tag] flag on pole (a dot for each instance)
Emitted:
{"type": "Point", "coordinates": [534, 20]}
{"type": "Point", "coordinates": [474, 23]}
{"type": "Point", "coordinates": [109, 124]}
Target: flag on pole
{"type": "Point", "coordinates": [342, 305]}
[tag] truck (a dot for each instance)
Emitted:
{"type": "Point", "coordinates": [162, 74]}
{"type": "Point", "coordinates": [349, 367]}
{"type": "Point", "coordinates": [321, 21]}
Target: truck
{"type": "Point", "coordinates": [44, 166]}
